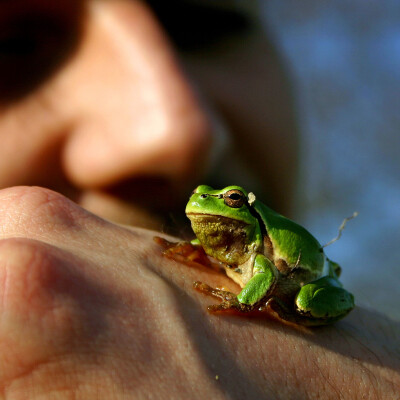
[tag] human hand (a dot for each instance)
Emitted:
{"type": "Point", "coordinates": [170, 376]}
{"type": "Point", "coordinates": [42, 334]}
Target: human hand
{"type": "Point", "coordinates": [91, 309]}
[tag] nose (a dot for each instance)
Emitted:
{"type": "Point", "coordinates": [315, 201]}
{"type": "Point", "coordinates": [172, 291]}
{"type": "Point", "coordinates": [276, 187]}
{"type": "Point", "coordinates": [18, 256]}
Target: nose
{"type": "Point", "coordinates": [138, 115]}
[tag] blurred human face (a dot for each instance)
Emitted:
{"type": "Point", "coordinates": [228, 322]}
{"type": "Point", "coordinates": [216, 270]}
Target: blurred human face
{"type": "Point", "coordinates": [113, 111]}
{"type": "Point", "coordinates": [94, 104]}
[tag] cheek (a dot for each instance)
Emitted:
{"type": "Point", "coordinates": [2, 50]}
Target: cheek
{"type": "Point", "coordinates": [31, 136]}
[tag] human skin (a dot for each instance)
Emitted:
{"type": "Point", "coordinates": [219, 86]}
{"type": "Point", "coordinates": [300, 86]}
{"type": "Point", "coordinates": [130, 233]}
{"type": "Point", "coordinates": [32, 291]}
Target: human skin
{"type": "Point", "coordinates": [90, 309]}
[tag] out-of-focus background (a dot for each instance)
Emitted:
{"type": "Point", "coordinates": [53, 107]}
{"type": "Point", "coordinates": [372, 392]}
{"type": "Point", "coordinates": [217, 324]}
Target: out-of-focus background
{"type": "Point", "coordinates": [344, 59]}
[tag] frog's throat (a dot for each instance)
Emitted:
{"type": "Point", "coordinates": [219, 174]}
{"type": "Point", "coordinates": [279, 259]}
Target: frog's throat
{"type": "Point", "coordinates": [227, 239]}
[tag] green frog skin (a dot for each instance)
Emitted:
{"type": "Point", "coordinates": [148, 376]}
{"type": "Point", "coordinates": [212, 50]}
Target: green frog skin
{"type": "Point", "coordinates": [277, 263]}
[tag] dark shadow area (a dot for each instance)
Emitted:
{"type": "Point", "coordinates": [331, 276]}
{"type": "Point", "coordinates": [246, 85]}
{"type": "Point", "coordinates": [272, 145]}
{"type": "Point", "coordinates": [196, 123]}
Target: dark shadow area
{"type": "Point", "coordinates": [35, 41]}
{"type": "Point", "coordinates": [159, 195]}
{"type": "Point", "coordinates": [195, 25]}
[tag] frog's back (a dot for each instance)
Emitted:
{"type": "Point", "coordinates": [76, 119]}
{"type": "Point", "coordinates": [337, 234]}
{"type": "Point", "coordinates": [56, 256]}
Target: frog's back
{"type": "Point", "coordinates": [300, 249]}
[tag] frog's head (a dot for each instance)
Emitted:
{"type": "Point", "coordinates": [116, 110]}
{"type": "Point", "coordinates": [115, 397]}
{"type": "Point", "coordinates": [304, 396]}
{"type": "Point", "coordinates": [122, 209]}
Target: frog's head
{"type": "Point", "coordinates": [224, 222]}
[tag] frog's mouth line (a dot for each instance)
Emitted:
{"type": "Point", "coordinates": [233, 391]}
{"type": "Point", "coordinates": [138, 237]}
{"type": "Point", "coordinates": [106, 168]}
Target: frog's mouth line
{"type": "Point", "coordinates": [221, 218]}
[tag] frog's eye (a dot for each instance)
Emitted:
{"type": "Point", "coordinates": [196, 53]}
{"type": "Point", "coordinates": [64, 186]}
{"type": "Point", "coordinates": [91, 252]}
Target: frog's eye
{"type": "Point", "coordinates": [234, 198]}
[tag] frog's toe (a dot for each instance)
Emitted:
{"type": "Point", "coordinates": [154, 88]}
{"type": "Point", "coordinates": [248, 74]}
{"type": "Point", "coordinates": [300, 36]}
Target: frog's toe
{"type": "Point", "coordinates": [224, 306]}
{"type": "Point", "coordinates": [232, 306]}
{"type": "Point", "coordinates": [210, 291]}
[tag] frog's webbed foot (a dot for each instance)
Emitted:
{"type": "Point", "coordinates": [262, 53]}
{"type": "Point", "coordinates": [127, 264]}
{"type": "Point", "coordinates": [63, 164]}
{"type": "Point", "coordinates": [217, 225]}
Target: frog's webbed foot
{"type": "Point", "coordinates": [229, 299]}
{"type": "Point", "coordinates": [185, 252]}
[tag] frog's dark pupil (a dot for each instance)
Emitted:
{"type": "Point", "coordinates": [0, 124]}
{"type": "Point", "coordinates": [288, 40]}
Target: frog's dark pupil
{"type": "Point", "coordinates": [234, 198]}
{"type": "Point", "coordinates": [203, 196]}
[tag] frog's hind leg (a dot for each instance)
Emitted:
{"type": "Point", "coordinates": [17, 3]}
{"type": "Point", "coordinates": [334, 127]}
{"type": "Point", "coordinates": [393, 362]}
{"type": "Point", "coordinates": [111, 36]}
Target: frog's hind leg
{"type": "Point", "coordinates": [229, 299]}
{"type": "Point", "coordinates": [323, 301]}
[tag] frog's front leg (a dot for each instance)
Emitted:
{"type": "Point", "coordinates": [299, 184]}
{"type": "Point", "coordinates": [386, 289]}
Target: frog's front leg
{"type": "Point", "coordinates": [323, 301]}
{"type": "Point", "coordinates": [262, 282]}
{"type": "Point", "coordinates": [190, 253]}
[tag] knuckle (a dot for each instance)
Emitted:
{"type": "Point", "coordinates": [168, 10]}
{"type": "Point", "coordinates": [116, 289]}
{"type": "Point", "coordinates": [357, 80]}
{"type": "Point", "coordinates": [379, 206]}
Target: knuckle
{"type": "Point", "coordinates": [30, 211]}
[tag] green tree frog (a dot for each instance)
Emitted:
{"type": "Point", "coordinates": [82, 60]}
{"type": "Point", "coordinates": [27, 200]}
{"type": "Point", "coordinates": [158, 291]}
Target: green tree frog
{"type": "Point", "coordinates": [278, 264]}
